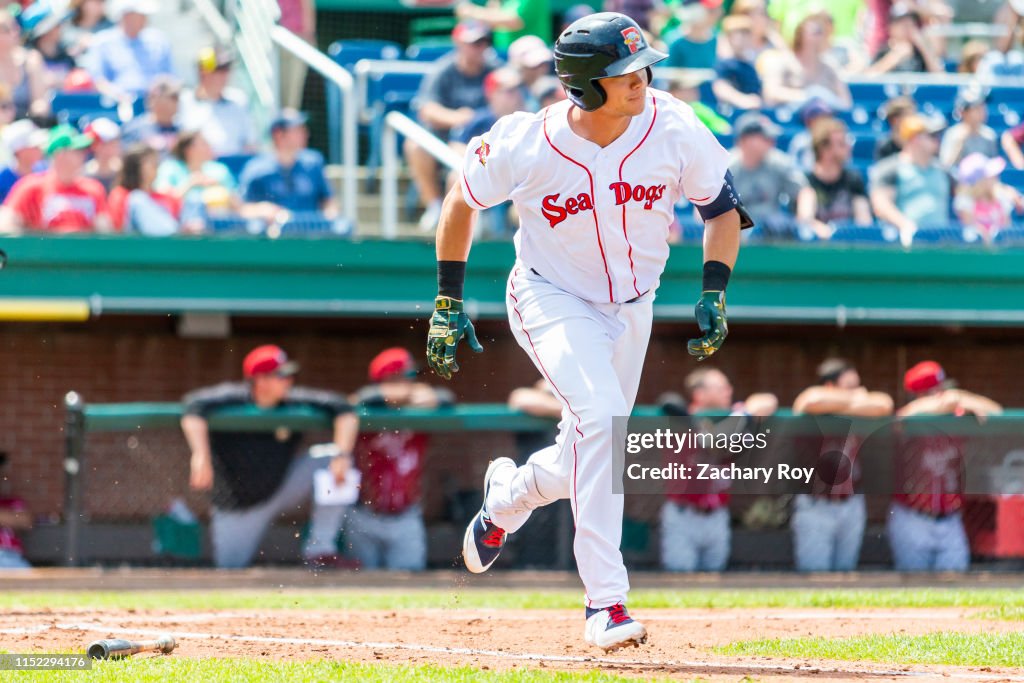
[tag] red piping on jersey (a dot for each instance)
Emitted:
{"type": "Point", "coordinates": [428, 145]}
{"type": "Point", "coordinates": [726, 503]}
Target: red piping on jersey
{"type": "Point", "coordinates": [471, 195]}
{"type": "Point", "coordinates": [593, 196]}
{"type": "Point", "coordinates": [702, 199]}
{"type": "Point", "coordinates": [540, 364]}
{"type": "Point", "coordinates": [654, 103]}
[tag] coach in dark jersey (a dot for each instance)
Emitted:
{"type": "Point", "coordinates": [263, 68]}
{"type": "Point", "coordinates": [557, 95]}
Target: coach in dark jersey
{"type": "Point", "coordinates": [255, 476]}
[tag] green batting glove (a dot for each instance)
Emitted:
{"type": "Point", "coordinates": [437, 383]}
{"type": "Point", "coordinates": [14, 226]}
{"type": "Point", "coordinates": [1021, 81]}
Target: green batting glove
{"type": "Point", "coordinates": [448, 326]}
{"type": "Point", "coordinates": [710, 312]}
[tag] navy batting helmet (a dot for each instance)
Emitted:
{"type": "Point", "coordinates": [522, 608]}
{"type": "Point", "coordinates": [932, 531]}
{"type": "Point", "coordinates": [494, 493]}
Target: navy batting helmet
{"type": "Point", "coordinates": [598, 46]}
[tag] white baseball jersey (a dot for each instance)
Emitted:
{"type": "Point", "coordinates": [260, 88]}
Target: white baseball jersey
{"type": "Point", "coordinates": [595, 221]}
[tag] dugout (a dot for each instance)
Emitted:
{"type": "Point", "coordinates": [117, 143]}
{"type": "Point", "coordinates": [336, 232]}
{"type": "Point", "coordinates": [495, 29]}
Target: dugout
{"type": "Point", "coordinates": [123, 320]}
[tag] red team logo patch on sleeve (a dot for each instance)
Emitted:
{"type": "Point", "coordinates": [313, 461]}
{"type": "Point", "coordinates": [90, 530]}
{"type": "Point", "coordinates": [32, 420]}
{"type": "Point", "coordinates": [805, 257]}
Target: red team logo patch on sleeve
{"type": "Point", "coordinates": [633, 38]}
{"type": "Point", "coordinates": [482, 151]}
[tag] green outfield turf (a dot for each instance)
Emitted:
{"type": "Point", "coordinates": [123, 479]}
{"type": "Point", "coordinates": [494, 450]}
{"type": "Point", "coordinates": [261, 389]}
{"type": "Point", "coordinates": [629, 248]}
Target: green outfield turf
{"type": "Point", "coordinates": [960, 649]}
{"type": "Point", "coordinates": [163, 669]}
{"type": "Point", "coordinates": [1009, 602]}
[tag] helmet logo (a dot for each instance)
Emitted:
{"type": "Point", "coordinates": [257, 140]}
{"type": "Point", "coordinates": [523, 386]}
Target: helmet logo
{"type": "Point", "coordinates": [633, 38]}
{"type": "Point", "coordinates": [482, 151]}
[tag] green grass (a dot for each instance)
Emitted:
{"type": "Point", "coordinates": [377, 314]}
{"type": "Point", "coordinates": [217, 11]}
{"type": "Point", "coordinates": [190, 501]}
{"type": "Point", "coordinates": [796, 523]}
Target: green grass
{"type": "Point", "coordinates": [961, 649]}
{"type": "Point", "coordinates": [1006, 612]}
{"type": "Point", "coordinates": [1011, 602]}
{"type": "Point", "coordinates": [162, 669]}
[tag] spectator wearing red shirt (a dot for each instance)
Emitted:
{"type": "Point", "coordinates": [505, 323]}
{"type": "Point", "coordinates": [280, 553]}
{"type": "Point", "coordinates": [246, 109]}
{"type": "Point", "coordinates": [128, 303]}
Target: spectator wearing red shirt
{"type": "Point", "coordinates": [925, 527]}
{"type": "Point", "coordinates": [386, 529]}
{"type": "Point", "coordinates": [695, 534]}
{"type": "Point", "coordinates": [62, 199]}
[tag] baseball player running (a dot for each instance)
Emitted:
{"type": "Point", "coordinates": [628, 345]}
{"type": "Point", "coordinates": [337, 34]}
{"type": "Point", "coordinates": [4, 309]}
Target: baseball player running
{"type": "Point", "coordinates": [594, 180]}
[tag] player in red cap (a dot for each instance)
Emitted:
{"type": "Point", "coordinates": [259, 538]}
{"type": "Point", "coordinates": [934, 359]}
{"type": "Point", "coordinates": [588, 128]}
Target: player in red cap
{"type": "Point", "coordinates": [387, 525]}
{"type": "Point", "coordinates": [255, 476]}
{"type": "Point", "coordinates": [926, 531]}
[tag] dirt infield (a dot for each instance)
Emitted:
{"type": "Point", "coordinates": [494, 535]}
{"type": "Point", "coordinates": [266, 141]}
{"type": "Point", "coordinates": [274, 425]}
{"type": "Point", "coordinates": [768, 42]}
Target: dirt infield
{"type": "Point", "coordinates": [493, 639]}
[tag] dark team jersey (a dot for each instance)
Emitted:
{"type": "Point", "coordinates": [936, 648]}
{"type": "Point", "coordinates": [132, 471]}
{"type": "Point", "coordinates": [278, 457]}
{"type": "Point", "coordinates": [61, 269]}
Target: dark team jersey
{"type": "Point", "coordinates": [248, 467]}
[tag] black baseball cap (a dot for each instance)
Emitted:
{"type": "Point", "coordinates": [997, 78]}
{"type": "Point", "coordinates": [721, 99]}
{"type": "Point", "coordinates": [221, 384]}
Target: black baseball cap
{"type": "Point", "coordinates": [755, 123]}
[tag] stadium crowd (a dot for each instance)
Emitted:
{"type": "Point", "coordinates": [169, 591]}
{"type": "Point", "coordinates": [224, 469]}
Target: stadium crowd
{"type": "Point", "coordinates": [100, 134]}
{"type": "Point", "coordinates": [810, 158]}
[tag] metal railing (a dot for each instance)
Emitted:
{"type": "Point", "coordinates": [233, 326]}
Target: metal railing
{"type": "Point", "coordinates": [395, 123]}
{"type": "Point", "coordinates": [256, 19]}
{"type": "Point", "coordinates": [332, 71]}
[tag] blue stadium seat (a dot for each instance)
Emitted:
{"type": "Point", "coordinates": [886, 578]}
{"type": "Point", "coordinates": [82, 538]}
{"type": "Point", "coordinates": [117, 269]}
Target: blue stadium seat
{"type": "Point", "coordinates": [428, 52]}
{"type": "Point", "coordinates": [313, 224]}
{"type": "Point", "coordinates": [235, 163]}
{"type": "Point", "coordinates": [234, 225]}
{"type": "Point", "coordinates": [71, 107]}
{"type": "Point", "coordinates": [727, 140]}
{"type": "Point", "coordinates": [857, 235]}
{"type": "Point", "coordinates": [385, 93]}
{"type": "Point", "coordinates": [1014, 177]}
{"type": "Point", "coordinates": [692, 231]}
{"type": "Point", "coordinates": [864, 93]}
{"type": "Point", "coordinates": [348, 52]}
{"type": "Point", "coordinates": [1011, 237]}
{"type": "Point", "coordinates": [953, 234]}
{"type": "Point", "coordinates": [1005, 94]}
{"type": "Point", "coordinates": [864, 144]}
{"type": "Point", "coordinates": [936, 93]}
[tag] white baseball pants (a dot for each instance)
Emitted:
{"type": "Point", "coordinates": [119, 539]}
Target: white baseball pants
{"type": "Point", "coordinates": [592, 355]}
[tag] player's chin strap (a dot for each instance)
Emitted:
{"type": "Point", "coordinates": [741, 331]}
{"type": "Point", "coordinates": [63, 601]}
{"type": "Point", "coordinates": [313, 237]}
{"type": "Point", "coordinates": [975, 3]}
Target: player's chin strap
{"type": "Point", "coordinates": [727, 200]}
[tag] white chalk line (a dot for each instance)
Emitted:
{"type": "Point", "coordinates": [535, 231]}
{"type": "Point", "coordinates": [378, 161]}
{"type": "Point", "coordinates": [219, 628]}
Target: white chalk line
{"type": "Point", "coordinates": [500, 654]}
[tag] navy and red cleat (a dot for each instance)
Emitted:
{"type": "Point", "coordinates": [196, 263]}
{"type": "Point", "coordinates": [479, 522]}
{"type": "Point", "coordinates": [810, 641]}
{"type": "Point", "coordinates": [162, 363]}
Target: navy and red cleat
{"type": "Point", "coordinates": [484, 539]}
{"type": "Point", "coordinates": [610, 628]}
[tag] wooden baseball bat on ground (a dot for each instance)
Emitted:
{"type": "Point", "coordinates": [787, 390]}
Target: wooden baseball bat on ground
{"type": "Point", "coordinates": [116, 648]}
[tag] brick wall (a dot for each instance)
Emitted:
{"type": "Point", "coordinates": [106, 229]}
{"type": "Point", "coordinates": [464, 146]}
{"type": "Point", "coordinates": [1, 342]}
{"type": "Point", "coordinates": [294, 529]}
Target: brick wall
{"type": "Point", "coordinates": [142, 359]}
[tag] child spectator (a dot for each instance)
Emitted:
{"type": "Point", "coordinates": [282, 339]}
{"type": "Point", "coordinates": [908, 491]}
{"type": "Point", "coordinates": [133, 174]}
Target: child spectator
{"type": "Point", "coordinates": [971, 135]}
{"type": "Point", "coordinates": [134, 206]}
{"type": "Point", "coordinates": [106, 152]}
{"type": "Point", "coordinates": [62, 199]}
{"type": "Point", "coordinates": [982, 202]}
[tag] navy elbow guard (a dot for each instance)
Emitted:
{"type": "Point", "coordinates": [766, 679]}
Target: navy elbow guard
{"type": "Point", "coordinates": [727, 200]}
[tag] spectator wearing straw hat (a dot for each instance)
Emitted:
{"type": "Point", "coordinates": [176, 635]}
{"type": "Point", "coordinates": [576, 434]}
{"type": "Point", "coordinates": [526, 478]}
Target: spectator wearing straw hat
{"type": "Point", "coordinates": [925, 526]}
{"type": "Point", "coordinates": [387, 528]}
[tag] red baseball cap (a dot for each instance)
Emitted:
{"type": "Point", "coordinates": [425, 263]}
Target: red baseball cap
{"type": "Point", "coordinates": [268, 359]}
{"type": "Point", "coordinates": [391, 362]}
{"type": "Point", "coordinates": [471, 31]}
{"type": "Point", "coordinates": [924, 376]}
